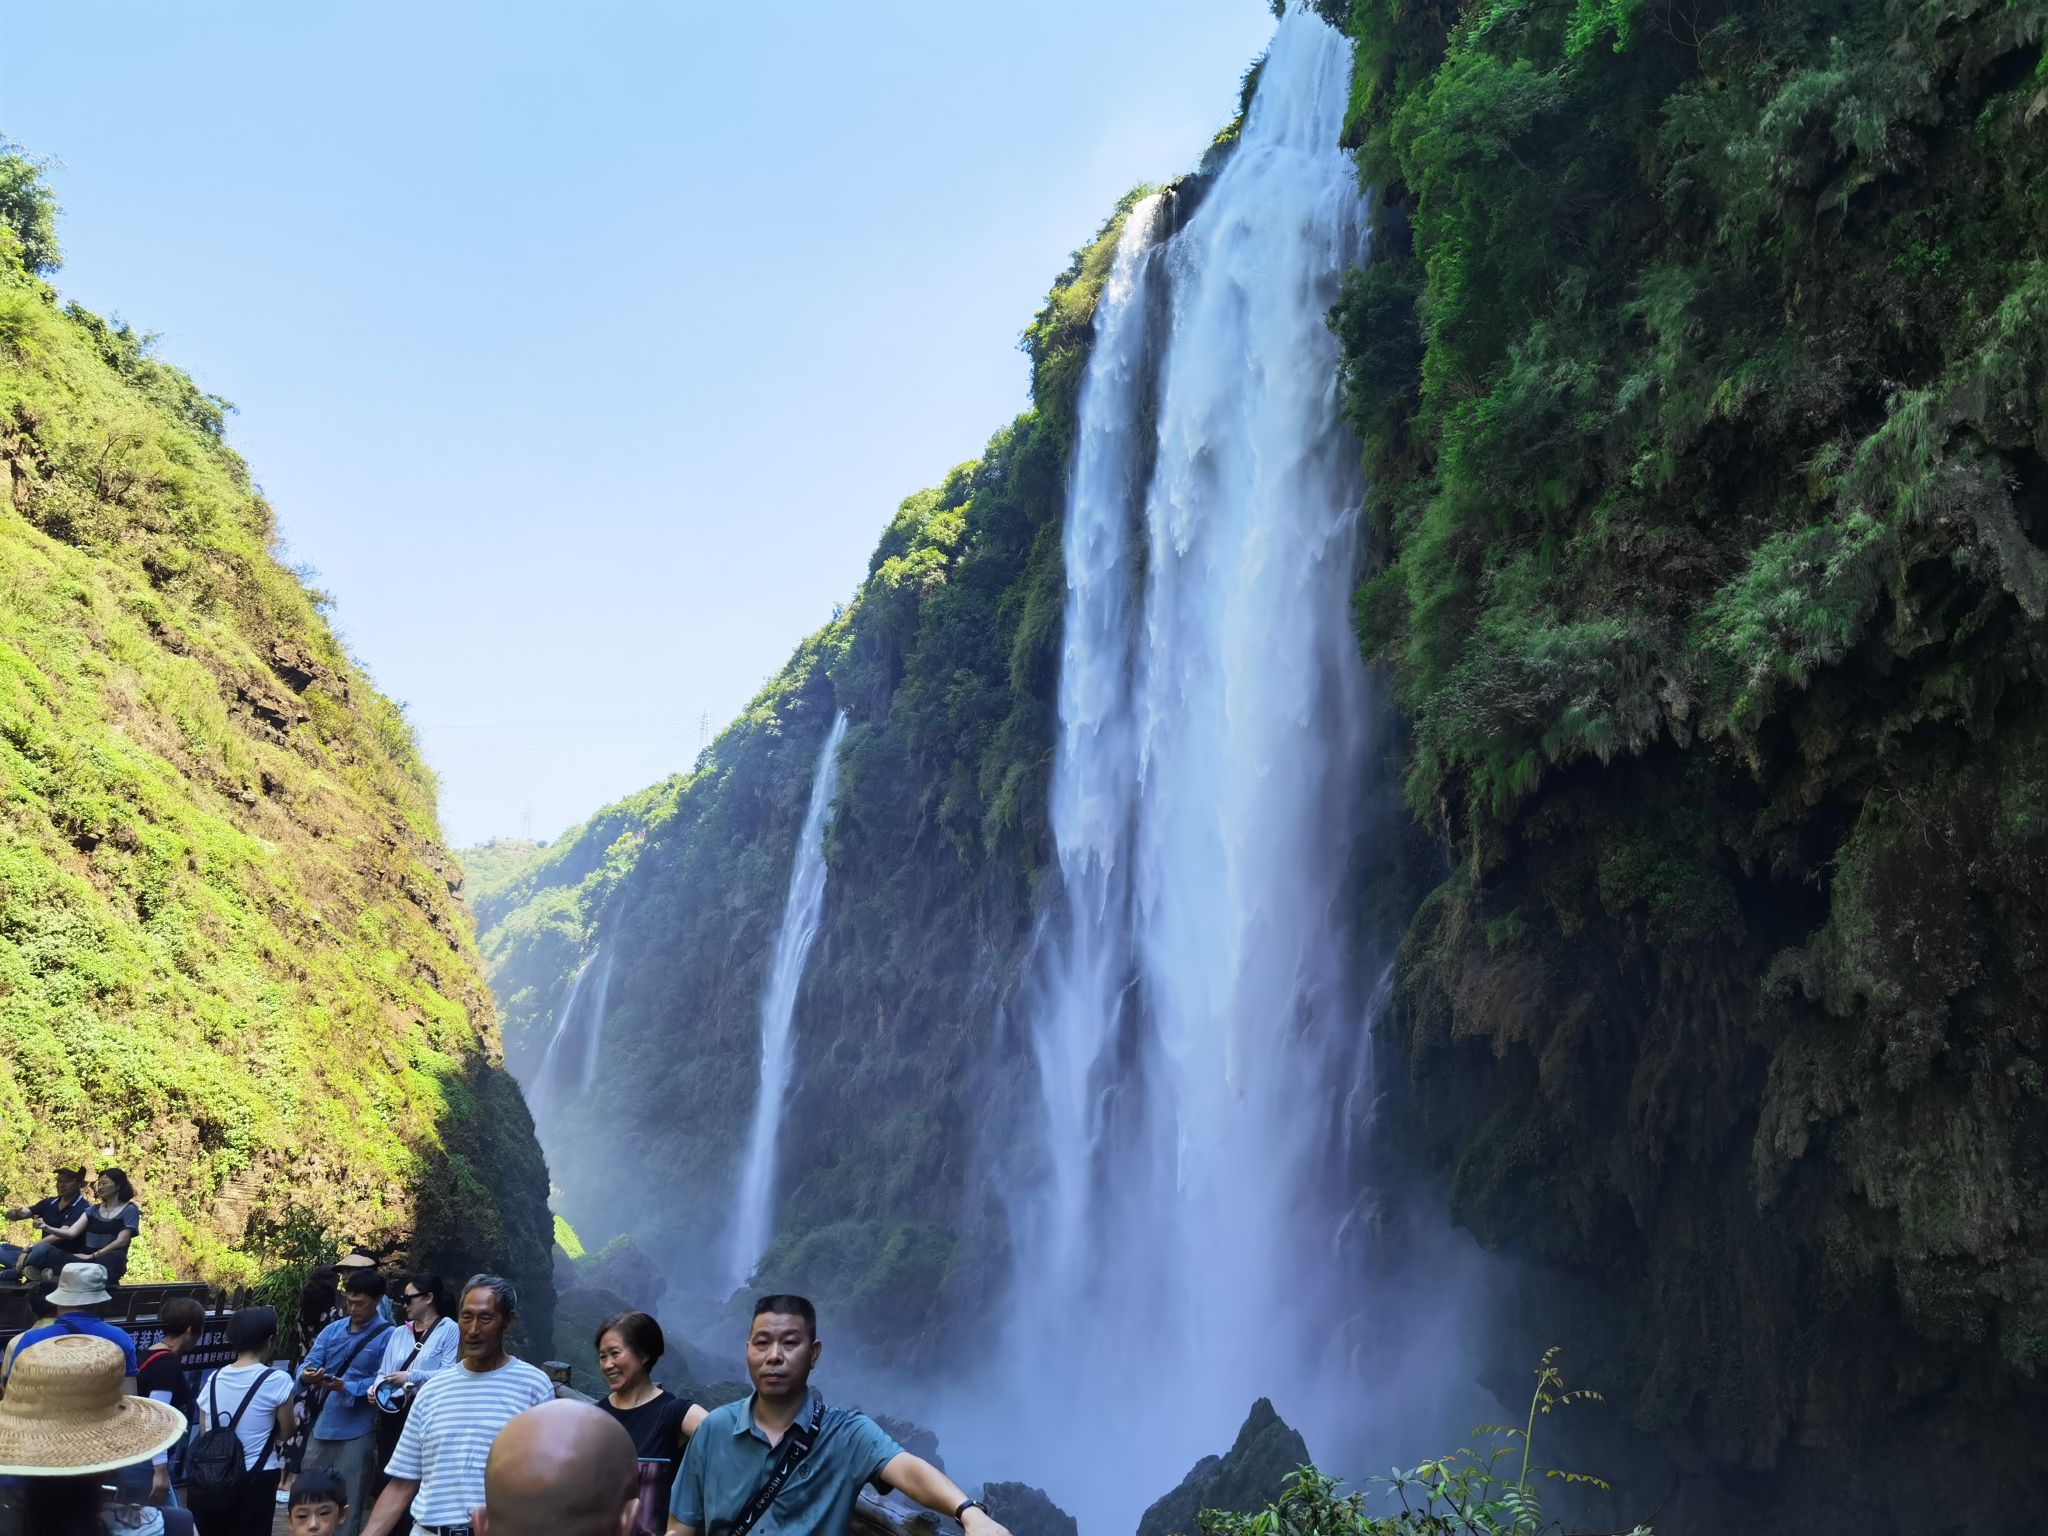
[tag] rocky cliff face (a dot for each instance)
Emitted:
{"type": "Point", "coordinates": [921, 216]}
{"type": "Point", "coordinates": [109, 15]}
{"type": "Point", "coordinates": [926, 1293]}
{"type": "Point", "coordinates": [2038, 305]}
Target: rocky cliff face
{"type": "Point", "coordinates": [233, 959]}
{"type": "Point", "coordinates": [1243, 1480]}
{"type": "Point", "coordinates": [1703, 384]}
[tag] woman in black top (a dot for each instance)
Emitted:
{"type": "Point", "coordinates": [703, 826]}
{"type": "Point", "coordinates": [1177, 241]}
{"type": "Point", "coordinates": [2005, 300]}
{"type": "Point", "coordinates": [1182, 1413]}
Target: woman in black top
{"type": "Point", "coordinates": [659, 1422]}
{"type": "Point", "coordinates": [112, 1224]}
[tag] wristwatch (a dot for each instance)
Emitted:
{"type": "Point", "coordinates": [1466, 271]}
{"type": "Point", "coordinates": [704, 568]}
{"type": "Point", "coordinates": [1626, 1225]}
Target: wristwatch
{"type": "Point", "coordinates": [967, 1504]}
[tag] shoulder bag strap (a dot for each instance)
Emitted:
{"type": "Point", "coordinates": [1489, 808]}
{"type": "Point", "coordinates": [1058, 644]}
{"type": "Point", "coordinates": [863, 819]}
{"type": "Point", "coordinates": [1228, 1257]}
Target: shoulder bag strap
{"type": "Point", "coordinates": [369, 1337]}
{"type": "Point", "coordinates": [269, 1439]}
{"type": "Point", "coordinates": [797, 1441]}
{"type": "Point", "coordinates": [320, 1403]}
{"type": "Point", "coordinates": [248, 1397]}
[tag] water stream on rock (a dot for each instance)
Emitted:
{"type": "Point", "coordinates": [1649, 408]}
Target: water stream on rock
{"type": "Point", "coordinates": [754, 1199]}
{"type": "Point", "coordinates": [1197, 1020]}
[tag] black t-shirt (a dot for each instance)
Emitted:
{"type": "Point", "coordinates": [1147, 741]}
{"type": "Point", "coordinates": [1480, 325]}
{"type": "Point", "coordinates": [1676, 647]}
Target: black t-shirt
{"type": "Point", "coordinates": [58, 1214]}
{"type": "Point", "coordinates": [657, 1430]}
{"type": "Point", "coordinates": [165, 1372]}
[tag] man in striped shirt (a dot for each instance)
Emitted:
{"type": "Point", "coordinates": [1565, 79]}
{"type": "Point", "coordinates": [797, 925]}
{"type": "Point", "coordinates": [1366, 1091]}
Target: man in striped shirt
{"type": "Point", "coordinates": [437, 1471]}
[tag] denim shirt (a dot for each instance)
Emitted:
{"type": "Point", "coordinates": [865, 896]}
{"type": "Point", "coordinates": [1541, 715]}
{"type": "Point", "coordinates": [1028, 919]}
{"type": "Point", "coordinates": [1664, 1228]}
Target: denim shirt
{"type": "Point", "coordinates": [346, 1414]}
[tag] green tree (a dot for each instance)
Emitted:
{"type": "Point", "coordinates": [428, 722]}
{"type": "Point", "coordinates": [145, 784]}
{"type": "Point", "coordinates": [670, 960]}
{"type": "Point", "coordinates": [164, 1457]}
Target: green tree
{"type": "Point", "coordinates": [28, 210]}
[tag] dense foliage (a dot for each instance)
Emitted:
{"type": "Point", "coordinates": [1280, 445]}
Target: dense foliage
{"type": "Point", "coordinates": [231, 959]}
{"type": "Point", "coordinates": [946, 662]}
{"type": "Point", "coordinates": [1703, 381]}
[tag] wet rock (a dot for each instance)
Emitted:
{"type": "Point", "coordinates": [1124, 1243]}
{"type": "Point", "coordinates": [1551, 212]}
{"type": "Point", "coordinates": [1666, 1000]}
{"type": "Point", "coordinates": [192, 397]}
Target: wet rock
{"type": "Point", "coordinates": [621, 1266]}
{"type": "Point", "coordinates": [578, 1311]}
{"type": "Point", "coordinates": [1027, 1511]}
{"type": "Point", "coordinates": [914, 1438]}
{"type": "Point", "coordinates": [1246, 1479]}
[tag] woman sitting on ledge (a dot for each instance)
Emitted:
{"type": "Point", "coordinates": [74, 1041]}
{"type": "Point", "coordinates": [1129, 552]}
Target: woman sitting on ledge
{"type": "Point", "coordinates": [112, 1224]}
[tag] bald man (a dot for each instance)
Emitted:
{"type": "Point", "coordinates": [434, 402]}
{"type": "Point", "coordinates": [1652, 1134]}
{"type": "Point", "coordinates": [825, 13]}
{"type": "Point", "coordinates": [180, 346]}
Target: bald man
{"type": "Point", "coordinates": [562, 1469]}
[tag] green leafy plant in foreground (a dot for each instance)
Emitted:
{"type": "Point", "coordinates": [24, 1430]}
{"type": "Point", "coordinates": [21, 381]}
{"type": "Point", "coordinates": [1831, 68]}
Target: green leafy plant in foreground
{"type": "Point", "coordinates": [1490, 1489]}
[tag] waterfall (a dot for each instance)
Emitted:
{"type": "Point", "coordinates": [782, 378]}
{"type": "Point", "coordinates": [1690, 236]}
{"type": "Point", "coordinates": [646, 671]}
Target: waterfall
{"type": "Point", "coordinates": [570, 1061]}
{"type": "Point", "coordinates": [753, 1218]}
{"type": "Point", "coordinates": [1094, 783]}
{"type": "Point", "coordinates": [1195, 1018]}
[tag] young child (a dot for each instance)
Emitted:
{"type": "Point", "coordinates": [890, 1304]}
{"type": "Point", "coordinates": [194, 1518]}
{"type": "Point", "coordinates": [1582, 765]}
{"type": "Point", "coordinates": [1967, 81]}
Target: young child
{"type": "Point", "coordinates": [319, 1504]}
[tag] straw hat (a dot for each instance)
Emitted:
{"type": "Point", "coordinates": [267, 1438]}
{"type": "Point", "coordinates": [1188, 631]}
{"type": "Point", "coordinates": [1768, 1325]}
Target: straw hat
{"type": "Point", "coordinates": [80, 1285]}
{"type": "Point", "coordinates": [355, 1258]}
{"type": "Point", "coordinates": [66, 1412]}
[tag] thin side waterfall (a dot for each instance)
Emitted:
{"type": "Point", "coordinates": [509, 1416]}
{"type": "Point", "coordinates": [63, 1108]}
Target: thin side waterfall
{"type": "Point", "coordinates": [753, 1213]}
{"type": "Point", "coordinates": [1196, 1020]}
{"type": "Point", "coordinates": [591, 1034]}
{"type": "Point", "coordinates": [569, 1061]}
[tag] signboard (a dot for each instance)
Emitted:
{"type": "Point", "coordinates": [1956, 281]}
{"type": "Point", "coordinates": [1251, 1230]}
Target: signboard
{"type": "Point", "coordinates": [210, 1353]}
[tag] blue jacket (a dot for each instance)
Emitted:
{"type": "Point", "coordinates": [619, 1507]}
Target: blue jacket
{"type": "Point", "coordinates": [346, 1414]}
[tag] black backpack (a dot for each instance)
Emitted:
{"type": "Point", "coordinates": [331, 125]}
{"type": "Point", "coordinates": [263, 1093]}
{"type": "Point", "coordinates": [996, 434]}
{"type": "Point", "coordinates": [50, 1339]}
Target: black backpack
{"type": "Point", "coordinates": [215, 1472]}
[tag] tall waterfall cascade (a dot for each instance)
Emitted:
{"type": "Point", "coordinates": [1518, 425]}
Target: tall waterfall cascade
{"type": "Point", "coordinates": [754, 1198]}
{"type": "Point", "coordinates": [1195, 1013]}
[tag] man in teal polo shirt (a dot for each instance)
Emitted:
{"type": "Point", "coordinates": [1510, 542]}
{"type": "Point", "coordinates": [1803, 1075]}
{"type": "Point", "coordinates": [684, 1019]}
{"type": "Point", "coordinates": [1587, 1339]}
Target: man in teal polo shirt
{"type": "Point", "coordinates": [736, 1450]}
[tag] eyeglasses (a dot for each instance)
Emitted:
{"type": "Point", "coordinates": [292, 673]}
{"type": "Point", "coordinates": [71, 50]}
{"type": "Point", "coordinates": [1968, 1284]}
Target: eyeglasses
{"type": "Point", "coordinates": [412, 1296]}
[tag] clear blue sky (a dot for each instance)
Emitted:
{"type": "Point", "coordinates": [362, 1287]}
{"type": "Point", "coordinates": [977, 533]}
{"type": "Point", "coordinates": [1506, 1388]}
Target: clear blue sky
{"type": "Point", "coordinates": [584, 350]}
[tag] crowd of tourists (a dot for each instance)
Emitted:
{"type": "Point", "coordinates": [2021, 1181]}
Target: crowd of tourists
{"type": "Point", "coordinates": [408, 1416]}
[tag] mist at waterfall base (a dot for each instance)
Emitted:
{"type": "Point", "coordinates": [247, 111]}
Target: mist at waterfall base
{"type": "Point", "coordinates": [753, 1221]}
{"type": "Point", "coordinates": [1196, 1224]}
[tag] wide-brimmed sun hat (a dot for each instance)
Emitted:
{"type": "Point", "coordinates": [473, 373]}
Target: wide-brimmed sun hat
{"type": "Point", "coordinates": [67, 1413]}
{"type": "Point", "coordinates": [80, 1285]}
{"type": "Point", "coordinates": [355, 1258]}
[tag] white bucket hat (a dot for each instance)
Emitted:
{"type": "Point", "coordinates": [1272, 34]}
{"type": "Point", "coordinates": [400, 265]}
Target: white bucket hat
{"type": "Point", "coordinates": [80, 1285]}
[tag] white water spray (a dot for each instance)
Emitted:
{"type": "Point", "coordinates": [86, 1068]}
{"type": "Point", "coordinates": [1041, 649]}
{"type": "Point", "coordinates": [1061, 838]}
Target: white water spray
{"type": "Point", "coordinates": [753, 1218]}
{"type": "Point", "coordinates": [1197, 1028]}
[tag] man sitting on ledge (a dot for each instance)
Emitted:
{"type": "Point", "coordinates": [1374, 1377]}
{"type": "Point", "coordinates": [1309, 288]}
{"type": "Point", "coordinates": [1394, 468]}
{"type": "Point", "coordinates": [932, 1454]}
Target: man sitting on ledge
{"type": "Point", "coordinates": [781, 1463]}
{"type": "Point", "coordinates": [60, 1218]}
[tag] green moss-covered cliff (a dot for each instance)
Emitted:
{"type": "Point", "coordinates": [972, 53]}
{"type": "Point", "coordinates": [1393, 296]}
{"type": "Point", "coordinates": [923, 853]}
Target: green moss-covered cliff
{"type": "Point", "coordinates": [1703, 374]}
{"type": "Point", "coordinates": [232, 956]}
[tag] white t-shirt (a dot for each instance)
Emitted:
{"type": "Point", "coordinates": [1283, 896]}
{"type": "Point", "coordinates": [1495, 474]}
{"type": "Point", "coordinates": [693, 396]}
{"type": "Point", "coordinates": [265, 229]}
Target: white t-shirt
{"type": "Point", "coordinates": [437, 1351]}
{"type": "Point", "coordinates": [447, 1439]}
{"type": "Point", "coordinates": [225, 1388]}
